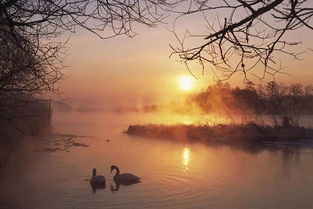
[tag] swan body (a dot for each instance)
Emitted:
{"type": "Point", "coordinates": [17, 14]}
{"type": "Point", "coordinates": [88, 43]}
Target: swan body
{"type": "Point", "coordinates": [97, 180]}
{"type": "Point", "coordinates": [124, 178]}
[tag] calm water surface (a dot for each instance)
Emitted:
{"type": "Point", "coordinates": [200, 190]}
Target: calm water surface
{"type": "Point", "coordinates": [174, 175]}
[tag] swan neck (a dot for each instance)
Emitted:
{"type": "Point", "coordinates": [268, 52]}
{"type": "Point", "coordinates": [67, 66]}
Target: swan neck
{"type": "Point", "coordinates": [117, 171]}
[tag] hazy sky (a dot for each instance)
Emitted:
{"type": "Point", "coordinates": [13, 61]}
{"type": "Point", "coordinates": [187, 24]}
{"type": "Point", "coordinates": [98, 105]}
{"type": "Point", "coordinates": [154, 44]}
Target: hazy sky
{"type": "Point", "coordinates": [138, 70]}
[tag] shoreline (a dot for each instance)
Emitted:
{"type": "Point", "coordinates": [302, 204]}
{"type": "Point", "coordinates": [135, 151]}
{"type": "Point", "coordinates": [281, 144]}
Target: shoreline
{"type": "Point", "coordinates": [249, 133]}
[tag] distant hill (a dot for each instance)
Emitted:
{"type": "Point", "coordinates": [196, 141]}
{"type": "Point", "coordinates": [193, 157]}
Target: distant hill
{"type": "Point", "coordinates": [60, 106]}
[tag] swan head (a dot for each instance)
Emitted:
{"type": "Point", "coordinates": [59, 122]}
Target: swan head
{"type": "Point", "coordinates": [94, 172]}
{"type": "Point", "coordinates": [116, 168]}
{"type": "Point", "coordinates": [113, 167]}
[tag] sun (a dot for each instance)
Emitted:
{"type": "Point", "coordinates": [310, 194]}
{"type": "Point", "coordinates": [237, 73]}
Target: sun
{"type": "Point", "coordinates": [185, 83]}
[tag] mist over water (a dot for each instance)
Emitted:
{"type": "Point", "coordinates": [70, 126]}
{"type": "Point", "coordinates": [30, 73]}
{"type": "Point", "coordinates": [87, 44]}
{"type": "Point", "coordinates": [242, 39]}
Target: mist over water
{"type": "Point", "coordinates": [174, 175]}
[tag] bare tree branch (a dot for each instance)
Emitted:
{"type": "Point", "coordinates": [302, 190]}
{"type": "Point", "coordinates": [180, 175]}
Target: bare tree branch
{"type": "Point", "coordinates": [253, 35]}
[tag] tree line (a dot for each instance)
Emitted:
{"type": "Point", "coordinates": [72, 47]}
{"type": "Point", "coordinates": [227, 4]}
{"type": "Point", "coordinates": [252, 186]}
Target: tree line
{"type": "Point", "coordinates": [281, 101]}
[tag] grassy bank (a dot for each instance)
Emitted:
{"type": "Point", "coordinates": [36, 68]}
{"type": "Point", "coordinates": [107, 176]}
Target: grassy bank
{"type": "Point", "coordinates": [232, 133]}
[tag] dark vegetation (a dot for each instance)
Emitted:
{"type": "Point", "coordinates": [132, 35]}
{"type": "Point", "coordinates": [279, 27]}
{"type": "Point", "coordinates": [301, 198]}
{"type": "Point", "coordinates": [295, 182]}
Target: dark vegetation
{"type": "Point", "coordinates": [281, 102]}
{"type": "Point", "coordinates": [25, 115]}
{"type": "Point", "coordinates": [230, 133]}
{"type": "Point", "coordinates": [285, 104]}
{"type": "Point", "coordinates": [250, 138]}
{"type": "Point", "coordinates": [19, 116]}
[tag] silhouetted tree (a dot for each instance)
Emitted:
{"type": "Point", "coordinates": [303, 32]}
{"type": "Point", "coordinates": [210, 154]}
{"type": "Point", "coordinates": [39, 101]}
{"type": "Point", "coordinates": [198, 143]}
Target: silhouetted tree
{"type": "Point", "coordinates": [31, 61]}
{"type": "Point", "coordinates": [245, 35]}
{"type": "Point", "coordinates": [31, 52]}
{"type": "Point", "coordinates": [274, 98]}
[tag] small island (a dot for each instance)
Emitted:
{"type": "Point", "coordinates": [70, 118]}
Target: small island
{"type": "Point", "coordinates": [225, 133]}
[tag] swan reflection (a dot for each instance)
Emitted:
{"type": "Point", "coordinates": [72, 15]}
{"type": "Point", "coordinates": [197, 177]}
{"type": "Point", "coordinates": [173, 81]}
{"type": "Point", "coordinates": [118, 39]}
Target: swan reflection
{"type": "Point", "coordinates": [95, 188]}
{"type": "Point", "coordinates": [116, 188]}
{"type": "Point", "coordinates": [118, 184]}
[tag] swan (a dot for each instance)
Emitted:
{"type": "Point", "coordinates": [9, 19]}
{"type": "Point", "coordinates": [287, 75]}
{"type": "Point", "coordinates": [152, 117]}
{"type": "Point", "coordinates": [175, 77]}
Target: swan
{"type": "Point", "coordinates": [124, 178]}
{"type": "Point", "coordinates": [97, 180]}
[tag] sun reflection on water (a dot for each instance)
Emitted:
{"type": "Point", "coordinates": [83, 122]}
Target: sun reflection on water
{"type": "Point", "coordinates": [186, 158]}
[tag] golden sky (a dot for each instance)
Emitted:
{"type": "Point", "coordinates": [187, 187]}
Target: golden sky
{"type": "Point", "coordinates": [136, 70]}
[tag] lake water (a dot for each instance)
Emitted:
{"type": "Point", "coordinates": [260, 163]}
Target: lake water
{"type": "Point", "coordinates": [174, 175]}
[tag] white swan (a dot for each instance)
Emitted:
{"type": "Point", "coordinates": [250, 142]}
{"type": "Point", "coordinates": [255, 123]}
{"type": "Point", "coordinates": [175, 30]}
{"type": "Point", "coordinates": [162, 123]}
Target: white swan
{"type": "Point", "coordinates": [124, 178]}
{"type": "Point", "coordinates": [97, 180]}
